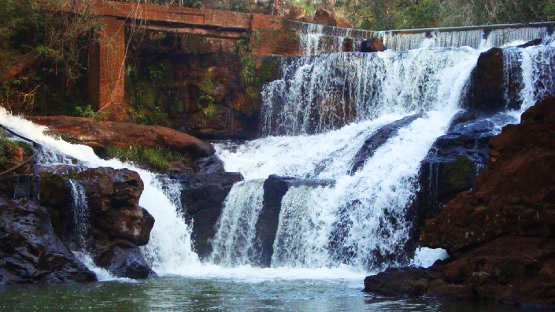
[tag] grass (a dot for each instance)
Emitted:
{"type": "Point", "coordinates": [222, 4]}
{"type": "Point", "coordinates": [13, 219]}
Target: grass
{"type": "Point", "coordinates": [158, 159]}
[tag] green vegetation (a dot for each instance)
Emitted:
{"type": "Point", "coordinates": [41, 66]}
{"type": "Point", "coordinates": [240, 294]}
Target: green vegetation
{"type": "Point", "coordinates": [144, 98]}
{"type": "Point", "coordinates": [155, 158]}
{"type": "Point", "coordinates": [396, 14]}
{"type": "Point", "coordinates": [43, 56]}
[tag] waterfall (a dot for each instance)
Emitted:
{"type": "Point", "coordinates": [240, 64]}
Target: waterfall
{"type": "Point", "coordinates": [474, 37]}
{"type": "Point", "coordinates": [320, 39]}
{"type": "Point", "coordinates": [325, 92]}
{"type": "Point", "coordinates": [235, 242]}
{"type": "Point", "coordinates": [78, 228]}
{"type": "Point", "coordinates": [316, 118]}
{"type": "Point", "coordinates": [324, 108]}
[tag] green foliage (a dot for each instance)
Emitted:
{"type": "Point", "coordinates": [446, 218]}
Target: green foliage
{"type": "Point", "coordinates": [59, 41]}
{"type": "Point", "coordinates": [86, 111]}
{"type": "Point", "coordinates": [397, 14]}
{"type": "Point", "coordinates": [144, 87]}
{"type": "Point", "coordinates": [155, 158]}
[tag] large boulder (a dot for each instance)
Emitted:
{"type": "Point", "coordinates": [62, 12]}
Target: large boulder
{"type": "Point", "coordinates": [500, 235]}
{"type": "Point", "coordinates": [107, 201]}
{"type": "Point", "coordinates": [372, 45]}
{"type": "Point", "coordinates": [486, 93]}
{"type": "Point", "coordinates": [103, 134]}
{"type": "Point", "coordinates": [30, 251]}
{"type": "Point", "coordinates": [203, 194]}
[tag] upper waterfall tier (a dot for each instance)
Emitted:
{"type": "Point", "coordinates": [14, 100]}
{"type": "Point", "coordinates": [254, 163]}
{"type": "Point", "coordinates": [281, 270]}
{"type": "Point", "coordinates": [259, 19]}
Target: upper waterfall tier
{"type": "Point", "coordinates": [319, 39]}
{"type": "Point", "coordinates": [324, 92]}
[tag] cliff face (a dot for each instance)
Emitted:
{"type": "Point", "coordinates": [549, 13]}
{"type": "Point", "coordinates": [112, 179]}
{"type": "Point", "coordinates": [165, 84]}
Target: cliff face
{"type": "Point", "coordinates": [501, 234]}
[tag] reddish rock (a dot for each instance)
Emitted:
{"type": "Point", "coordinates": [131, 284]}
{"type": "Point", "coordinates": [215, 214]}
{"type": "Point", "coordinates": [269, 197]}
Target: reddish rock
{"type": "Point", "coordinates": [324, 16]}
{"type": "Point", "coordinates": [102, 134]}
{"type": "Point", "coordinates": [116, 224]}
{"type": "Point", "coordinates": [372, 45]}
{"type": "Point", "coordinates": [500, 235]}
{"type": "Point", "coordinates": [486, 92]}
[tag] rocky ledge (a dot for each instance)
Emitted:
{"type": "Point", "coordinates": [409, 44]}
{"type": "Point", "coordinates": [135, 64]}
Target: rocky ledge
{"type": "Point", "coordinates": [103, 134]}
{"type": "Point", "coordinates": [500, 235]}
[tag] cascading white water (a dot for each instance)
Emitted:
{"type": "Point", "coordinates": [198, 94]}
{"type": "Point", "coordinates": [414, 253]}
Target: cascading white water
{"type": "Point", "coordinates": [320, 93]}
{"type": "Point", "coordinates": [80, 214]}
{"type": "Point", "coordinates": [470, 37]}
{"type": "Point", "coordinates": [359, 220]}
{"type": "Point", "coordinates": [234, 243]}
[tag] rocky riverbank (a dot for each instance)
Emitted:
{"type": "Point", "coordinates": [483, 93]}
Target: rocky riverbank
{"type": "Point", "coordinates": [499, 235]}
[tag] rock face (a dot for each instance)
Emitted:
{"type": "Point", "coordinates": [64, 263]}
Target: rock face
{"type": "Point", "coordinates": [102, 134]}
{"type": "Point", "coordinates": [500, 235]}
{"type": "Point", "coordinates": [486, 91]}
{"type": "Point", "coordinates": [451, 166]}
{"type": "Point", "coordinates": [203, 194]}
{"type": "Point", "coordinates": [372, 45]}
{"type": "Point", "coordinates": [115, 224]}
{"type": "Point", "coordinates": [30, 251]}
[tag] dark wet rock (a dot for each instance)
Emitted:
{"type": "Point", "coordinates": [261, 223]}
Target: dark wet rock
{"type": "Point", "coordinates": [372, 45]}
{"type": "Point", "coordinates": [30, 251]}
{"type": "Point", "coordinates": [378, 138]}
{"type": "Point", "coordinates": [116, 224]}
{"type": "Point", "coordinates": [531, 43]}
{"type": "Point", "coordinates": [275, 187]}
{"type": "Point", "coordinates": [501, 234]}
{"type": "Point", "coordinates": [203, 194]}
{"type": "Point", "coordinates": [123, 259]}
{"type": "Point", "coordinates": [486, 90]}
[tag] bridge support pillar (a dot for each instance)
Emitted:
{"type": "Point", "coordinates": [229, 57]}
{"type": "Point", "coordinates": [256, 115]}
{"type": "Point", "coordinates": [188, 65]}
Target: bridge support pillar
{"type": "Point", "coordinates": [107, 69]}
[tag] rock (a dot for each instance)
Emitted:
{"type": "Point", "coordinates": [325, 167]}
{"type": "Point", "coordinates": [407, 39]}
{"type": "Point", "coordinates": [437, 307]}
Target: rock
{"type": "Point", "coordinates": [123, 259]}
{"type": "Point", "coordinates": [486, 92]}
{"type": "Point", "coordinates": [531, 43]}
{"type": "Point", "coordinates": [30, 251]}
{"type": "Point", "coordinates": [372, 45]}
{"type": "Point", "coordinates": [202, 196]}
{"type": "Point", "coordinates": [324, 16]}
{"type": "Point", "coordinates": [113, 203]}
{"type": "Point", "coordinates": [500, 235]}
{"type": "Point", "coordinates": [116, 224]}
{"type": "Point", "coordinates": [103, 134]}
{"type": "Point", "coordinates": [378, 138]}
{"type": "Point", "coordinates": [275, 187]}
{"type": "Point", "coordinates": [451, 166]}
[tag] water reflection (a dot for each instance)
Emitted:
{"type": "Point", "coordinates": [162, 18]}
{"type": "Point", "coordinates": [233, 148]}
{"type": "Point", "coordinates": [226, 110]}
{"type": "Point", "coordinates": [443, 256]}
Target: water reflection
{"type": "Point", "coordinates": [187, 294]}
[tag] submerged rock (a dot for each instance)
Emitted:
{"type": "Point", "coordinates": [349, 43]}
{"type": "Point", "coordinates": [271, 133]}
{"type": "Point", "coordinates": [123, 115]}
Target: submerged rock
{"type": "Point", "coordinates": [500, 235]}
{"type": "Point", "coordinates": [30, 251]}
